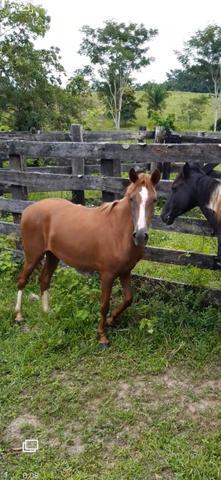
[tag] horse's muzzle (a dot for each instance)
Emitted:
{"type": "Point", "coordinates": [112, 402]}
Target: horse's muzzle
{"type": "Point", "coordinates": [140, 237]}
{"type": "Point", "coordinates": [167, 218]}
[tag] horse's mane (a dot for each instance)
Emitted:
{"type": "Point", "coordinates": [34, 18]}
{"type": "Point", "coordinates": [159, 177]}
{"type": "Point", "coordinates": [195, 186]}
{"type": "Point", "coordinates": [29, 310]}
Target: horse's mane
{"type": "Point", "coordinates": [215, 202]}
{"type": "Point", "coordinates": [108, 207]}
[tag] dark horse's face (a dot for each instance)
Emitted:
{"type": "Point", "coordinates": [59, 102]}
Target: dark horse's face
{"type": "Point", "coordinates": [183, 193]}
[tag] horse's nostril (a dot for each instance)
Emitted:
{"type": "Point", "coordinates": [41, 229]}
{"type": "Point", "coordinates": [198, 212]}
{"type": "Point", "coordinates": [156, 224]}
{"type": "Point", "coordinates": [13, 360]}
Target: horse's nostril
{"type": "Point", "coordinates": [146, 236]}
{"type": "Point", "coordinates": [134, 234]}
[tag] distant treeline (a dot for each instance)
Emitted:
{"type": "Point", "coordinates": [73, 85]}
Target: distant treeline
{"type": "Point", "coordinates": [184, 81]}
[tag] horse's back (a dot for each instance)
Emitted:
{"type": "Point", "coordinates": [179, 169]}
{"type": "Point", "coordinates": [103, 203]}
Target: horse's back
{"type": "Point", "coordinates": [66, 229]}
{"type": "Point", "coordinates": [36, 220]}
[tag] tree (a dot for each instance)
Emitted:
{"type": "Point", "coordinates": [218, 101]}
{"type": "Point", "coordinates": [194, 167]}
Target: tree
{"type": "Point", "coordinates": [202, 56]}
{"type": "Point", "coordinates": [193, 109]}
{"type": "Point", "coordinates": [129, 102]}
{"type": "Point", "coordinates": [155, 96]}
{"type": "Point", "coordinates": [27, 75]}
{"type": "Point", "coordinates": [188, 80]}
{"type": "Point", "coordinates": [117, 50]}
{"type": "Point", "coordinates": [129, 106]}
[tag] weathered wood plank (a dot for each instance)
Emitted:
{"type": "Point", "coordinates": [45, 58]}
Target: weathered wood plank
{"type": "Point", "coordinates": [181, 257]}
{"type": "Point", "coordinates": [110, 136]}
{"type": "Point", "coordinates": [51, 169]}
{"type": "Point", "coordinates": [42, 136]}
{"type": "Point", "coordinates": [183, 225]}
{"type": "Point", "coordinates": [210, 295]}
{"type": "Point", "coordinates": [18, 192]}
{"type": "Point", "coordinates": [207, 153]}
{"type": "Point", "coordinates": [14, 206]}
{"type": "Point", "coordinates": [188, 138]}
{"type": "Point", "coordinates": [47, 182]}
{"type": "Point", "coordinates": [9, 228]}
{"type": "Point", "coordinates": [110, 168]}
{"type": "Point", "coordinates": [77, 164]}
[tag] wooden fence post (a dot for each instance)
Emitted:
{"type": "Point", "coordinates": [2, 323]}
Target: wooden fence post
{"type": "Point", "coordinates": [77, 164]}
{"type": "Point", "coordinates": [110, 168]}
{"type": "Point", "coordinates": [160, 136]}
{"type": "Point", "coordinates": [142, 139]}
{"type": "Point", "coordinates": [18, 192]}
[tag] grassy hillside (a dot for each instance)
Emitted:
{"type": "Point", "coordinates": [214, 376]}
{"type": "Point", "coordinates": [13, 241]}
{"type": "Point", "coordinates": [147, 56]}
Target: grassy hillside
{"type": "Point", "coordinates": [174, 105]}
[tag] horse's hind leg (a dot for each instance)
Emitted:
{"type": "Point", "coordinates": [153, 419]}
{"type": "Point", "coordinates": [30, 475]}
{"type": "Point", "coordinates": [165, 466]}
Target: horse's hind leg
{"type": "Point", "coordinates": [28, 267]}
{"type": "Point", "coordinates": [50, 265]}
{"type": "Point", "coordinates": [126, 285]}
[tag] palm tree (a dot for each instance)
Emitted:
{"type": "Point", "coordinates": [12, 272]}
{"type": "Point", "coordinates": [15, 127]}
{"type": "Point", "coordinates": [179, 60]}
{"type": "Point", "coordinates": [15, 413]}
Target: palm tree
{"type": "Point", "coordinates": [155, 96]}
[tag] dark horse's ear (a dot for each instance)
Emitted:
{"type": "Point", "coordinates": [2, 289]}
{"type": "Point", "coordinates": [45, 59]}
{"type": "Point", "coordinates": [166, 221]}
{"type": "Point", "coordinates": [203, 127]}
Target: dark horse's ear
{"type": "Point", "coordinates": [186, 170]}
{"type": "Point", "coordinates": [155, 177]}
{"type": "Point", "coordinates": [133, 176]}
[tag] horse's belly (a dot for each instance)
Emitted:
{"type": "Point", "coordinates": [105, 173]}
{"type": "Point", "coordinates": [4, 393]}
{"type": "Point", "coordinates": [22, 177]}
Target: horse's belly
{"type": "Point", "coordinates": [79, 251]}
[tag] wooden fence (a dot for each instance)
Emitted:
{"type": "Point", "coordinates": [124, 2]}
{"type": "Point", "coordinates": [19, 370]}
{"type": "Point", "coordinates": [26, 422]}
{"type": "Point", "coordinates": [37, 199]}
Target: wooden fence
{"type": "Point", "coordinates": [110, 159]}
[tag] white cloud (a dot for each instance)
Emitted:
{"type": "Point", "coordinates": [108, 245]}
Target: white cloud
{"type": "Point", "coordinates": [175, 21]}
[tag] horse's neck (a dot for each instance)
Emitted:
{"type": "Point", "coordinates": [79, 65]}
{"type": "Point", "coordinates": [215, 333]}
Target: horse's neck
{"type": "Point", "coordinates": [205, 190]}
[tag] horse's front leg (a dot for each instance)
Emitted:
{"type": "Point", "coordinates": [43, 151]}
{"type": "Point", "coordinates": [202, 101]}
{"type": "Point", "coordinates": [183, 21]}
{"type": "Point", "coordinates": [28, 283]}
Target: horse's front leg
{"type": "Point", "coordinates": [128, 298]}
{"type": "Point", "coordinates": [106, 287]}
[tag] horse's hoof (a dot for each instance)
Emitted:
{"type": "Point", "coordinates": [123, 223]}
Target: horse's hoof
{"type": "Point", "coordinates": [18, 318]}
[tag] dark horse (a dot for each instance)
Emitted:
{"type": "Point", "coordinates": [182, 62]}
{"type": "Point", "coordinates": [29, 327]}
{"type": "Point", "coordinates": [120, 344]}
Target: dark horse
{"type": "Point", "coordinates": [109, 239]}
{"type": "Point", "coordinates": [194, 188]}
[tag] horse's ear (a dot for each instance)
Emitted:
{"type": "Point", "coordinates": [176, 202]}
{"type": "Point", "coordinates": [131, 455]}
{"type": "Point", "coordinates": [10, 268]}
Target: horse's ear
{"type": "Point", "coordinates": [186, 170]}
{"type": "Point", "coordinates": [133, 176]}
{"type": "Point", "coordinates": [155, 177]}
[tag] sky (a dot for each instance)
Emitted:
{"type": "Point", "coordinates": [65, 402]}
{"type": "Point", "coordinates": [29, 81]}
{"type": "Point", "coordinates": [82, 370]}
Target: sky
{"type": "Point", "coordinates": [176, 21]}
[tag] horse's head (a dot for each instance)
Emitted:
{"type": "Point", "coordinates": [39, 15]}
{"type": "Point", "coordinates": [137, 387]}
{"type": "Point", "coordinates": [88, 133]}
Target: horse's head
{"type": "Point", "coordinates": [142, 195]}
{"type": "Point", "coordinates": [183, 196]}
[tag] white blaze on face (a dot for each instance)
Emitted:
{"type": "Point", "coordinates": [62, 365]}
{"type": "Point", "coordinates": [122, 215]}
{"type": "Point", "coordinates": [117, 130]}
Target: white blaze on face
{"type": "Point", "coordinates": [141, 223]}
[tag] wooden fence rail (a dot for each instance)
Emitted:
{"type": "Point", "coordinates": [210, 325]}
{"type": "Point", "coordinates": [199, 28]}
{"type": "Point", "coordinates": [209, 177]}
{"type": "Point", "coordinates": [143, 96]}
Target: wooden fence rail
{"type": "Point", "coordinates": [163, 153]}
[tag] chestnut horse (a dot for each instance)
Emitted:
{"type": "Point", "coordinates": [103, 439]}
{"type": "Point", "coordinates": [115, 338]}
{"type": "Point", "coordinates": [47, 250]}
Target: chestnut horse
{"type": "Point", "coordinates": [108, 239]}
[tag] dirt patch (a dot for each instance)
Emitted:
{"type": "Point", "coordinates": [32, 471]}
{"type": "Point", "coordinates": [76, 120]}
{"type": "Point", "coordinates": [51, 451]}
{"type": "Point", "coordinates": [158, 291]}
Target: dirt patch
{"type": "Point", "coordinates": [202, 406]}
{"type": "Point", "coordinates": [76, 448]}
{"type": "Point", "coordinates": [14, 434]}
{"type": "Point", "coordinates": [176, 393]}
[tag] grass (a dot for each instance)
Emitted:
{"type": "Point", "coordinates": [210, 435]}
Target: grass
{"type": "Point", "coordinates": [149, 407]}
{"type": "Point", "coordinates": [174, 105]}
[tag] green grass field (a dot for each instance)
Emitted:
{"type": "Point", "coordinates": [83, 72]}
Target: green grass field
{"type": "Point", "coordinates": [146, 408]}
{"type": "Point", "coordinates": [174, 105]}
